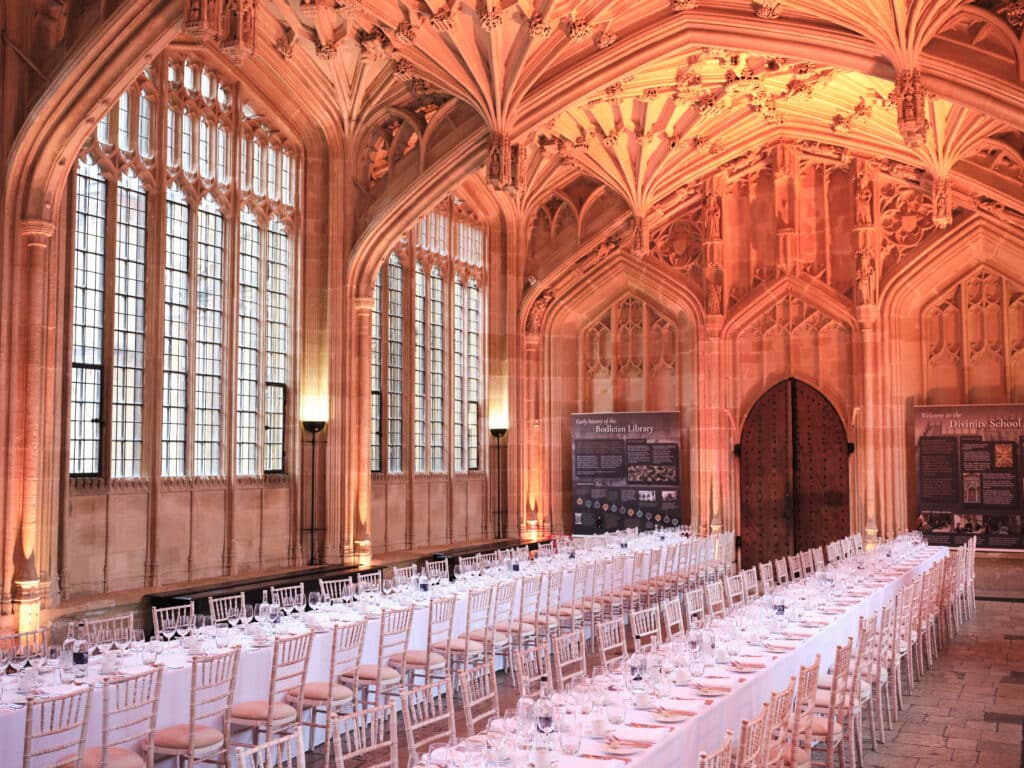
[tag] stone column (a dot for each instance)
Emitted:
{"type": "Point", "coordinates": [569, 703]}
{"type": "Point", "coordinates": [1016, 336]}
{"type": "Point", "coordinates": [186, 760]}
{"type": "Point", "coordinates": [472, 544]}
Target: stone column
{"type": "Point", "coordinates": [356, 525]}
{"type": "Point", "coordinates": [32, 264]}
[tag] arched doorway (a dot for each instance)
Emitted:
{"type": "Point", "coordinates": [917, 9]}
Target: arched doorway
{"type": "Point", "coordinates": [794, 473]}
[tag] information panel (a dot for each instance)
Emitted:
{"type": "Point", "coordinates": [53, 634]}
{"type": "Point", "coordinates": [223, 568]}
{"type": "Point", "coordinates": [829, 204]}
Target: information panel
{"type": "Point", "coordinates": [969, 474]}
{"type": "Point", "coordinates": [625, 471]}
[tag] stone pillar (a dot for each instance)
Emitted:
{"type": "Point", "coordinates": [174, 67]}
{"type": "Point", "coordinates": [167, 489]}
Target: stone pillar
{"type": "Point", "coordinates": [27, 466]}
{"type": "Point", "coordinates": [787, 171]}
{"type": "Point", "coordinates": [535, 491]}
{"type": "Point", "coordinates": [356, 525]}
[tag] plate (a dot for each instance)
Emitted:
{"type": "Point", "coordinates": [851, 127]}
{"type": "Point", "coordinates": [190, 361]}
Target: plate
{"type": "Point", "coordinates": [710, 692]}
{"type": "Point", "coordinates": [670, 717]}
{"type": "Point", "coordinates": [620, 749]}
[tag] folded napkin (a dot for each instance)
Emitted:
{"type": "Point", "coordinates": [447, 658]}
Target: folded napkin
{"type": "Point", "coordinates": [712, 688]}
{"type": "Point", "coordinates": [746, 666]}
{"type": "Point", "coordinates": [615, 738]}
{"type": "Point", "coordinates": [796, 634]}
{"type": "Point", "coordinates": [673, 711]}
{"type": "Point", "coordinates": [815, 622]}
{"type": "Point", "coordinates": [780, 647]}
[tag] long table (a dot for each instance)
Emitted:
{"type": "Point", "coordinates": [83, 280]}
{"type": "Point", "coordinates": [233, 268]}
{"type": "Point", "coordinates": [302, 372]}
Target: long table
{"type": "Point", "coordinates": [253, 677]}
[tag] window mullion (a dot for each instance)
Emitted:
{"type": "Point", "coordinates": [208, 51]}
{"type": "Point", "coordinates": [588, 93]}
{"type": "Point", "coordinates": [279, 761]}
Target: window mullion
{"type": "Point", "coordinates": [109, 304]}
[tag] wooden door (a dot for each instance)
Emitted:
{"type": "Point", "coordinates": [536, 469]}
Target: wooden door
{"type": "Point", "coordinates": [794, 473]}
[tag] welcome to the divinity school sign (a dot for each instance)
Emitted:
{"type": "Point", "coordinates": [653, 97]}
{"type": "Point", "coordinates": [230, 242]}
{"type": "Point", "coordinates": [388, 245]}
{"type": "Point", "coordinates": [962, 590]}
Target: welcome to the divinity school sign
{"type": "Point", "coordinates": [970, 478]}
{"type": "Point", "coordinates": [625, 471]}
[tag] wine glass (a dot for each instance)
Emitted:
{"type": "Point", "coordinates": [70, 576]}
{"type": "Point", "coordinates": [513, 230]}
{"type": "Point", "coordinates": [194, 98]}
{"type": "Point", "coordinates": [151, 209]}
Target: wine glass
{"type": "Point", "coordinates": [20, 657]}
{"type": "Point", "coordinates": [315, 601]}
{"type": "Point", "coordinates": [169, 629]}
{"type": "Point", "coordinates": [122, 638]}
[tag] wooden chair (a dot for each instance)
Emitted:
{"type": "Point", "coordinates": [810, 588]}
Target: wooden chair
{"type": "Point", "coordinates": [55, 729]}
{"type": "Point", "coordinates": [174, 616]}
{"type": "Point", "coordinates": [437, 570]}
{"type": "Point", "coordinates": [332, 695]}
{"type": "Point", "coordinates": [734, 592]}
{"type": "Point", "coordinates": [465, 651]}
{"type": "Point", "coordinates": [720, 758]}
{"type": "Point", "coordinates": [369, 582]}
{"type": "Point", "coordinates": [714, 596]}
{"type": "Point", "coordinates": [336, 589]}
{"type": "Point", "coordinates": [751, 746]}
{"type": "Point", "coordinates": [672, 619]}
{"type": "Point", "coordinates": [292, 595]}
{"type": "Point", "coordinates": [796, 568]}
{"type": "Point", "coordinates": [405, 574]}
{"type": "Point", "coordinates": [782, 574]}
{"type": "Point", "coordinates": [818, 557]}
{"type": "Point", "coordinates": [611, 641]}
{"type": "Point", "coordinates": [229, 606]}
{"type": "Point", "coordinates": [34, 638]}
{"type": "Point", "coordinates": [532, 665]}
{"type": "Point", "coordinates": [521, 631]}
{"type": "Point", "coordinates": [428, 713]}
{"type": "Point", "coordinates": [433, 660]}
{"type": "Point", "coordinates": [548, 619]}
{"type": "Point", "coordinates": [829, 728]}
{"type": "Point", "coordinates": [388, 674]}
{"type": "Point", "coordinates": [283, 752]}
{"type": "Point", "coordinates": [885, 677]}
{"type": "Point", "coordinates": [767, 577]}
{"type": "Point", "coordinates": [479, 696]}
{"type": "Point", "coordinates": [693, 607]}
{"type": "Point", "coordinates": [108, 628]}
{"type": "Point", "coordinates": [369, 737]}
{"type": "Point", "coordinates": [210, 696]}
{"type": "Point", "coordinates": [571, 657]}
{"type": "Point", "coordinates": [750, 588]}
{"type": "Point", "coordinates": [803, 714]}
{"type": "Point", "coordinates": [806, 562]}
{"type": "Point", "coordinates": [272, 715]}
{"type": "Point", "coordinates": [129, 715]}
{"type": "Point", "coordinates": [571, 614]}
{"type": "Point", "coordinates": [645, 624]}
{"type": "Point", "coordinates": [778, 730]}
{"type": "Point", "coordinates": [500, 635]}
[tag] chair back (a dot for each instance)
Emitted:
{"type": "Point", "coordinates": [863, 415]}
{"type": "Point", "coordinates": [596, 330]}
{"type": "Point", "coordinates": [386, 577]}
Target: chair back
{"type": "Point", "coordinates": [437, 570]}
{"type": "Point", "coordinates": [750, 589]}
{"type": "Point", "coordinates": [720, 758]}
{"type": "Point", "coordinates": [370, 734]}
{"type": "Point", "coordinates": [807, 562]}
{"type": "Point", "coordinates": [714, 595]}
{"type": "Point", "coordinates": [336, 589]}
{"type": "Point", "coordinates": [749, 751]}
{"type": "Point", "coordinates": [107, 629]}
{"type": "Point", "coordinates": [129, 710]}
{"type": "Point", "coordinates": [571, 658]}
{"type": "Point", "coordinates": [229, 606]}
{"type": "Point", "coordinates": [439, 624]}
{"type": "Point", "coordinates": [693, 607]}
{"type": "Point", "coordinates": [778, 729]}
{"type": "Point", "coordinates": [174, 616]}
{"type": "Point", "coordinates": [395, 627]}
{"type": "Point", "coordinates": [405, 574]}
{"type": "Point", "coordinates": [369, 582]}
{"type": "Point", "coordinates": [529, 597]}
{"type": "Point", "coordinates": [611, 640]}
{"type": "Point", "coordinates": [767, 576]}
{"type": "Point", "coordinates": [291, 595]}
{"type": "Point", "coordinates": [819, 559]}
{"type": "Point", "coordinates": [645, 625]}
{"type": "Point", "coordinates": [290, 665]}
{"type": "Point", "coordinates": [781, 571]}
{"type": "Point", "coordinates": [55, 728]}
{"type": "Point", "coordinates": [531, 664]}
{"type": "Point", "coordinates": [796, 568]}
{"type": "Point", "coordinates": [34, 638]}
{"type": "Point", "coordinates": [734, 590]}
{"type": "Point", "coordinates": [283, 752]}
{"type": "Point", "coordinates": [672, 619]}
{"type": "Point", "coordinates": [804, 705]}
{"type": "Point", "coordinates": [429, 715]}
{"type": "Point", "coordinates": [479, 696]}
{"type": "Point", "coordinates": [347, 650]}
{"type": "Point", "coordinates": [478, 613]}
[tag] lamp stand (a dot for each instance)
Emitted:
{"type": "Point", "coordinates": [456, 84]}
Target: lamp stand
{"type": "Point", "coordinates": [499, 528]}
{"type": "Point", "coordinates": [314, 428]}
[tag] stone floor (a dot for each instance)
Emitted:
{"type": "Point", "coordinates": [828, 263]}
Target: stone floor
{"type": "Point", "coordinates": [967, 711]}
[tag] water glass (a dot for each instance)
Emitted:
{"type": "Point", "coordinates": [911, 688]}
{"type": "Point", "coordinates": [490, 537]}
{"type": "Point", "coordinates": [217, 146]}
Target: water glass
{"type": "Point", "coordinates": [570, 739]}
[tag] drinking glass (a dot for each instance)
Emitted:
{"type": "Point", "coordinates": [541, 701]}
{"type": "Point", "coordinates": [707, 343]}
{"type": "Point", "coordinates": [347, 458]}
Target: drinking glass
{"type": "Point", "coordinates": [614, 710]}
{"type": "Point", "coordinates": [570, 738]}
{"type": "Point", "coordinates": [19, 658]}
{"type": "Point", "coordinates": [315, 600]}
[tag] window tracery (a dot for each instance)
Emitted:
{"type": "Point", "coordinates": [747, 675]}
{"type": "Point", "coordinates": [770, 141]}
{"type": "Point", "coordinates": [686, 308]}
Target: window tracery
{"type": "Point", "coordinates": [223, 238]}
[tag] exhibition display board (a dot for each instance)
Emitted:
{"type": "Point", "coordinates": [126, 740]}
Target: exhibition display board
{"type": "Point", "coordinates": [625, 471]}
{"type": "Point", "coordinates": [969, 474]}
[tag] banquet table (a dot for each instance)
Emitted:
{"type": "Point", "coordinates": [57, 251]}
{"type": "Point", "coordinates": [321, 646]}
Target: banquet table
{"type": "Point", "coordinates": [253, 678]}
{"type": "Point", "coordinates": [678, 746]}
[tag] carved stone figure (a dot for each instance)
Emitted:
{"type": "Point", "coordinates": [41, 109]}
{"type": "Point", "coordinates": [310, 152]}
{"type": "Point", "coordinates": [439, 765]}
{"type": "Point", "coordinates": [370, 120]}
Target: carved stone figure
{"type": "Point", "coordinates": [867, 282]}
{"type": "Point", "coordinates": [713, 218]}
{"type": "Point", "coordinates": [535, 320]}
{"type": "Point", "coordinates": [714, 299]}
{"type": "Point", "coordinates": [865, 215]}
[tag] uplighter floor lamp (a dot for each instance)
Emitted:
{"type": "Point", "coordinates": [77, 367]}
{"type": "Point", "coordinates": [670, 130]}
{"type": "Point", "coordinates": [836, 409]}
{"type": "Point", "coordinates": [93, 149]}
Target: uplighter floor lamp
{"type": "Point", "coordinates": [314, 428]}
{"type": "Point", "coordinates": [499, 519]}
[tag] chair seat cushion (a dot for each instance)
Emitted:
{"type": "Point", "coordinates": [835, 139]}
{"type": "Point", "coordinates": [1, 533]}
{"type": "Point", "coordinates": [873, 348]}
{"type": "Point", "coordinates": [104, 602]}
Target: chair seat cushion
{"type": "Point", "coordinates": [320, 692]}
{"type": "Point", "coordinates": [568, 610]}
{"type": "Point", "coordinates": [524, 627]}
{"type": "Point", "coordinates": [370, 672]}
{"type": "Point", "coordinates": [276, 712]}
{"type": "Point", "coordinates": [117, 757]}
{"type": "Point", "coordinates": [819, 727]}
{"type": "Point", "coordinates": [466, 645]}
{"type": "Point", "coordinates": [176, 737]}
{"type": "Point", "coordinates": [497, 639]}
{"type": "Point", "coordinates": [825, 684]}
{"type": "Point", "coordinates": [419, 659]}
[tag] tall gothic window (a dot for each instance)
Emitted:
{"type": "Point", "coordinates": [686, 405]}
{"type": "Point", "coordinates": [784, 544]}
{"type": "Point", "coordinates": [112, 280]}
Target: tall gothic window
{"type": "Point", "coordinates": [216, 283]}
{"type": "Point", "coordinates": [433, 275]}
